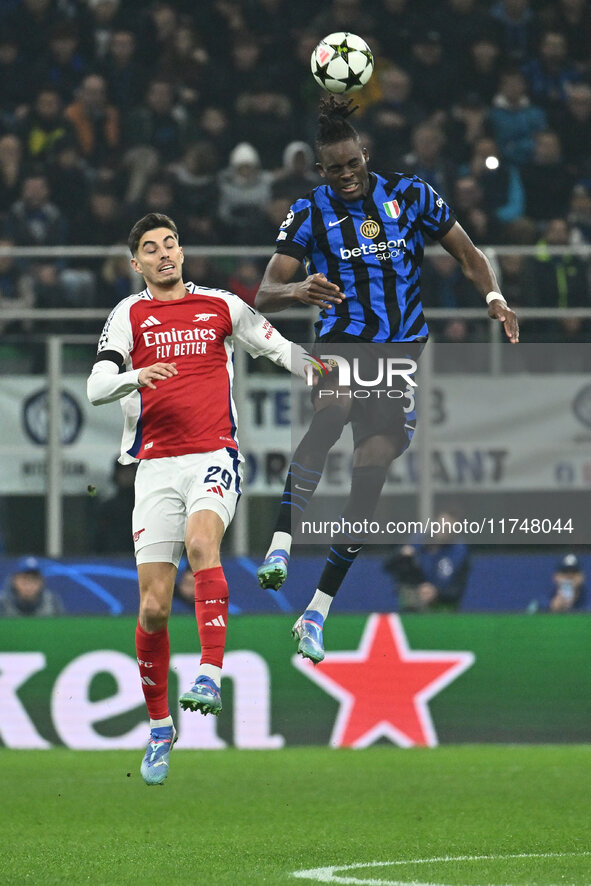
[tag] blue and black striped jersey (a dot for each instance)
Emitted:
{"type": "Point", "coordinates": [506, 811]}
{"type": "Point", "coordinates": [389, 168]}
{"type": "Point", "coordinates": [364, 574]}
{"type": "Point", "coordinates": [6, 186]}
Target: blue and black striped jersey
{"type": "Point", "coordinates": [373, 249]}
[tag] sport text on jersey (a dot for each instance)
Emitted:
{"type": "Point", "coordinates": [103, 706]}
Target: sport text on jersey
{"type": "Point", "coordinates": [179, 342]}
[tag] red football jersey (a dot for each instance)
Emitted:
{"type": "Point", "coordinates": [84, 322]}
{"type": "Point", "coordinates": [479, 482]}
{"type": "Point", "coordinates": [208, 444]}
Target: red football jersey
{"type": "Point", "coordinates": [193, 411]}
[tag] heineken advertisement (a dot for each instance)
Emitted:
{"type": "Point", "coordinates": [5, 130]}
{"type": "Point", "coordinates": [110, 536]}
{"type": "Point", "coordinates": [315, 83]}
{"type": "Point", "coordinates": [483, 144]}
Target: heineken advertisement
{"type": "Point", "coordinates": [411, 681]}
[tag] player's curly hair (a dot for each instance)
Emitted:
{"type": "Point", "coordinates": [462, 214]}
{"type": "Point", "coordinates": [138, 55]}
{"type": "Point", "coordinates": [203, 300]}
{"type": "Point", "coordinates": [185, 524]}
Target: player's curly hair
{"type": "Point", "coordinates": [333, 125]}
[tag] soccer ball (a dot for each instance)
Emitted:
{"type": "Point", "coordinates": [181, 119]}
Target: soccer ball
{"type": "Point", "coordinates": [342, 62]}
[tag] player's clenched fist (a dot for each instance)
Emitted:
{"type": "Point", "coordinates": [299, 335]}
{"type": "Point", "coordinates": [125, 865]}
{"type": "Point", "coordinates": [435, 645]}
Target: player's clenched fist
{"type": "Point", "coordinates": [156, 372]}
{"type": "Point", "coordinates": [317, 290]}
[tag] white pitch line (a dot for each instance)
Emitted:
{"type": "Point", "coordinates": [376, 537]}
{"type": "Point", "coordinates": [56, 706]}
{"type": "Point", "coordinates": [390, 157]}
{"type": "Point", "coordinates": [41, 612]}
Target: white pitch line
{"type": "Point", "coordinates": [329, 874]}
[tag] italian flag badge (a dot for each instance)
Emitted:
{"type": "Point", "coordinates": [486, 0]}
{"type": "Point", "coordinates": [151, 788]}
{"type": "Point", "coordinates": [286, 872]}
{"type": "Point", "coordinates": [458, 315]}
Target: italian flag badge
{"type": "Point", "coordinates": [392, 208]}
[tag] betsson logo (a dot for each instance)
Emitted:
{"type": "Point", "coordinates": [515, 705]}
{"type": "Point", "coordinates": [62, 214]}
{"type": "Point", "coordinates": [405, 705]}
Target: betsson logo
{"type": "Point", "coordinates": [194, 333]}
{"type": "Point", "coordinates": [383, 250]}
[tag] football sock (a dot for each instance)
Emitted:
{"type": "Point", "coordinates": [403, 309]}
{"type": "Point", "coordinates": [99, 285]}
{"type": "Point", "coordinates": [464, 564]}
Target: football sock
{"type": "Point", "coordinates": [281, 541]}
{"type": "Point", "coordinates": [320, 602]}
{"type": "Point", "coordinates": [158, 724]}
{"type": "Point", "coordinates": [211, 611]}
{"type": "Point", "coordinates": [306, 468]}
{"type": "Point", "coordinates": [366, 486]}
{"type": "Point", "coordinates": [214, 673]}
{"type": "Point", "coordinates": [153, 655]}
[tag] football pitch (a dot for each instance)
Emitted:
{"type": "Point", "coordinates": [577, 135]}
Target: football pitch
{"type": "Point", "coordinates": [464, 814]}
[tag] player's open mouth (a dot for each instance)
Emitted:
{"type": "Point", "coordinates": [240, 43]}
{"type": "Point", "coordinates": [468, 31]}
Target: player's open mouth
{"type": "Point", "coordinates": [350, 188]}
{"type": "Point", "coordinates": [166, 268]}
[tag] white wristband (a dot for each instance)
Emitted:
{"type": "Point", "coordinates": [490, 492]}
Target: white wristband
{"type": "Point", "coordinates": [496, 296]}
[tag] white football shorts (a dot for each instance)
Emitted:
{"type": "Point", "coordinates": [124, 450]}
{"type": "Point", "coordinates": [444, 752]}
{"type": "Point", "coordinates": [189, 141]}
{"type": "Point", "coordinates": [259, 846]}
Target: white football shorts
{"type": "Point", "coordinates": [168, 490]}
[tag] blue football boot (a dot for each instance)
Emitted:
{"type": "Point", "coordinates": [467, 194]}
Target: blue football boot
{"type": "Point", "coordinates": [203, 696]}
{"type": "Point", "coordinates": [273, 570]}
{"type": "Point", "coordinates": [154, 768]}
{"type": "Point", "coordinates": [308, 631]}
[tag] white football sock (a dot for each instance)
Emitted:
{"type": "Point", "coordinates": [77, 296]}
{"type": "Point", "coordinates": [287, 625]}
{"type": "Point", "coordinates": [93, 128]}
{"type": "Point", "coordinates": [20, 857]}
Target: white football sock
{"type": "Point", "coordinates": [320, 602]}
{"type": "Point", "coordinates": [211, 671]}
{"type": "Point", "coordinates": [281, 541]}
{"type": "Point", "coordinates": [158, 724]}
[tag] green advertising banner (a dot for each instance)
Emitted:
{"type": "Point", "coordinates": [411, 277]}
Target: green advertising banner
{"type": "Point", "coordinates": [412, 681]}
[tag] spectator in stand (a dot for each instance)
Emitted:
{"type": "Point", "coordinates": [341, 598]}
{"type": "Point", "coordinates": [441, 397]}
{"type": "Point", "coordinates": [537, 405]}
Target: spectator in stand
{"type": "Point", "coordinates": [514, 120]}
{"type": "Point", "coordinates": [124, 76]}
{"type": "Point", "coordinates": [579, 214]}
{"type": "Point", "coordinates": [502, 188]}
{"type": "Point", "coordinates": [11, 171]}
{"type": "Point", "coordinates": [444, 286]}
{"type": "Point", "coordinates": [392, 120]}
{"type": "Point", "coordinates": [573, 19]}
{"type": "Point", "coordinates": [33, 219]}
{"type": "Point", "coordinates": [31, 22]}
{"type": "Point", "coordinates": [398, 25]}
{"type": "Point", "coordinates": [465, 124]}
{"type": "Point", "coordinates": [113, 515]}
{"type": "Point", "coordinates": [102, 19]}
{"type": "Point", "coordinates": [427, 159]}
{"type": "Point", "coordinates": [569, 593]}
{"type": "Point", "coordinates": [546, 180]}
{"type": "Point", "coordinates": [471, 211]}
{"type": "Point", "coordinates": [194, 179]}
{"type": "Point", "coordinates": [213, 125]}
{"type": "Point", "coordinates": [297, 174]}
{"type": "Point", "coordinates": [45, 127]}
{"type": "Point", "coordinates": [95, 121]}
{"type": "Point", "coordinates": [69, 178]}
{"type": "Point", "coordinates": [185, 62]}
{"type": "Point", "coordinates": [573, 124]}
{"type": "Point", "coordinates": [158, 122]}
{"type": "Point", "coordinates": [345, 15]}
{"type": "Point", "coordinates": [184, 588]}
{"type": "Point", "coordinates": [517, 28]}
{"type": "Point", "coordinates": [25, 593]}
{"type": "Point", "coordinates": [481, 66]}
{"type": "Point", "coordinates": [461, 22]}
{"type": "Point", "coordinates": [63, 66]}
{"type": "Point", "coordinates": [16, 290]}
{"type": "Point", "coordinates": [562, 282]}
{"type": "Point", "coordinates": [264, 118]}
{"type": "Point", "coordinates": [15, 85]}
{"type": "Point", "coordinates": [431, 573]}
{"type": "Point", "coordinates": [244, 188]}
{"type": "Point", "coordinates": [435, 76]}
{"type": "Point", "coordinates": [245, 280]}
{"type": "Point", "coordinates": [550, 72]}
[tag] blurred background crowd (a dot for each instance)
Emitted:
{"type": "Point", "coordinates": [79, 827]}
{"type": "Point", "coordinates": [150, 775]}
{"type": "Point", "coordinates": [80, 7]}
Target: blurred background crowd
{"type": "Point", "coordinates": [207, 110]}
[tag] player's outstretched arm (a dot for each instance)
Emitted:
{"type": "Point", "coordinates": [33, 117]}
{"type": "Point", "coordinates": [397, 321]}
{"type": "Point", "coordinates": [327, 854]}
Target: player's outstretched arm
{"type": "Point", "coordinates": [478, 270]}
{"type": "Point", "coordinates": [277, 292]}
{"type": "Point", "coordinates": [106, 384]}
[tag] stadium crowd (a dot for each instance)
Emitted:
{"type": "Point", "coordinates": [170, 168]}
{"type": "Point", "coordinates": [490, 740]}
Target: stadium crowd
{"type": "Point", "coordinates": [113, 109]}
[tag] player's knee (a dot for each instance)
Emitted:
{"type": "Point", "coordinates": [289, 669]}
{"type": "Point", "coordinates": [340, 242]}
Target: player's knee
{"type": "Point", "coordinates": [326, 427]}
{"type": "Point", "coordinates": [154, 609]}
{"type": "Point", "coordinates": [203, 551]}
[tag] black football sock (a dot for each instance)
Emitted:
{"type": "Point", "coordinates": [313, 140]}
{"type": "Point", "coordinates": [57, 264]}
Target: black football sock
{"type": "Point", "coordinates": [306, 468]}
{"type": "Point", "coordinates": [366, 487]}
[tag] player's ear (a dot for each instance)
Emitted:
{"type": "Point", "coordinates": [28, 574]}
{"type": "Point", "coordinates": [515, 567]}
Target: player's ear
{"type": "Point", "coordinates": [320, 169]}
{"type": "Point", "coordinates": [135, 265]}
{"type": "Point", "coordinates": [182, 254]}
{"type": "Point", "coordinates": [365, 153]}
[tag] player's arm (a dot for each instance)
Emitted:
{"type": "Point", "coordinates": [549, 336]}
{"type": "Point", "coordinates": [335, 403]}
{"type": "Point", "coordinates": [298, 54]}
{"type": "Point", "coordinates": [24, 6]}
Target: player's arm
{"type": "Point", "coordinates": [277, 291]}
{"type": "Point", "coordinates": [478, 270]}
{"type": "Point", "coordinates": [106, 383]}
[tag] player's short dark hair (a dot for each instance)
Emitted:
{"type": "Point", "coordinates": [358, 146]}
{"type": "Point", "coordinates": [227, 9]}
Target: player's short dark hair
{"type": "Point", "coordinates": [148, 223]}
{"type": "Point", "coordinates": [333, 125]}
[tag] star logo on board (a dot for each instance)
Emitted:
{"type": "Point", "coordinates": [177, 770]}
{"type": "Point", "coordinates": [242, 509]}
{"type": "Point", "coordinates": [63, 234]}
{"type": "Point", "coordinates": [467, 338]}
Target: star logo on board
{"type": "Point", "coordinates": [384, 687]}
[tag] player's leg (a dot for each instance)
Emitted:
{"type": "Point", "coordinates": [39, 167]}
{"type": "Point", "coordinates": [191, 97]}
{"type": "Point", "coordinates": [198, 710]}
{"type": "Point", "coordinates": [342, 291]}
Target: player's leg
{"type": "Point", "coordinates": [304, 474]}
{"type": "Point", "coordinates": [156, 585]}
{"type": "Point", "coordinates": [205, 530]}
{"type": "Point", "coordinates": [370, 467]}
{"type": "Point", "coordinates": [212, 491]}
{"type": "Point", "coordinates": [158, 514]}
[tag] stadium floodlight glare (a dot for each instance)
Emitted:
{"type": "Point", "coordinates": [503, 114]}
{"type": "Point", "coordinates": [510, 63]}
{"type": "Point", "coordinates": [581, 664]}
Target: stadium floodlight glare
{"type": "Point", "coordinates": [492, 162]}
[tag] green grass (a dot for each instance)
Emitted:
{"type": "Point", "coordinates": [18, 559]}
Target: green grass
{"type": "Point", "coordinates": [254, 817]}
